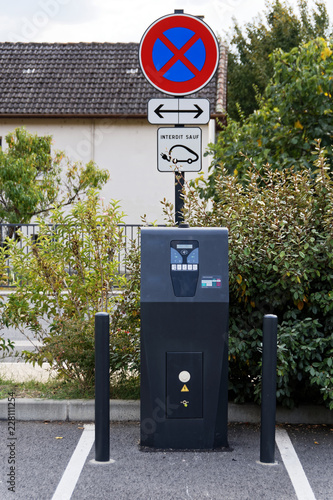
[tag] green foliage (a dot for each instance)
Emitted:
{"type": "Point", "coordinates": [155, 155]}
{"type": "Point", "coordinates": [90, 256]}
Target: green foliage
{"type": "Point", "coordinates": [62, 280]}
{"type": "Point", "coordinates": [33, 180]}
{"type": "Point", "coordinates": [303, 365]}
{"type": "Point", "coordinates": [296, 110]}
{"type": "Point", "coordinates": [124, 388]}
{"type": "Point", "coordinates": [127, 312]}
{"type": "Point", "coordinates": [281, 262]}
{"type": "Point", "coordinates": [6, 346]}
{"type": "Point", "coordinates": [125, 351]}
{"type": "Point", "coordinates": [126, 320]}
{"type": "Point", "coordinates": [249, 65]}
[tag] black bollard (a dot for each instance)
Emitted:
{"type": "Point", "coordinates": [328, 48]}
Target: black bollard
{"type": "Point", "coordinates": [102, 387]}
{"type": "Point", "coordinates": [268, 389]}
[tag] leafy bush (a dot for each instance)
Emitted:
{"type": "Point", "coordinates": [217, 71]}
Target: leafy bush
{"type": "Point", "coordinates": [278, 26]}
{"type": "Point", "coordinates": [281, 262]}
{"type": "Point", "coordinates": [271, 185]}
{"type": "Point", "coordinates": [62, 280]}
{"type": "Point", "coordinates": [33, 180]}
{"type": "Point", "coordinates": [296, 109]}
{"type": "Point", "coordinates": [125, 320]}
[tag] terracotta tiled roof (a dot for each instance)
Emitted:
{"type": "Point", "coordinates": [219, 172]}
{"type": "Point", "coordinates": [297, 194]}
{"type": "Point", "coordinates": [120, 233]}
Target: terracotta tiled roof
{"type": "Point", "coordinates": [79, 79]}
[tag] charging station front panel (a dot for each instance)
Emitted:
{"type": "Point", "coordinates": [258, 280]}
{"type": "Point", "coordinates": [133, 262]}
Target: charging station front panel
{"type": "Point", "coordinates": [184, 338]}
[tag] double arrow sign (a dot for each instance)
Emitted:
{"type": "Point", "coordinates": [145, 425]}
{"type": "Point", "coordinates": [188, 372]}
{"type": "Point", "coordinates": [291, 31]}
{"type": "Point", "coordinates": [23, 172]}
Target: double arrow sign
{"type": "Point", "coordinates": [178, 111]}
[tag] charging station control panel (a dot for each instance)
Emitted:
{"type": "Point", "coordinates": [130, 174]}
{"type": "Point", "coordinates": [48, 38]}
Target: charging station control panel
{"type": "Point", "coordinates": [184, 267]}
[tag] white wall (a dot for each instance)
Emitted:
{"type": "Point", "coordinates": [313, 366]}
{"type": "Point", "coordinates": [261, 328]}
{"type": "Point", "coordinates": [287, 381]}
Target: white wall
{"type": "Point", "coordinates": [126, 147]}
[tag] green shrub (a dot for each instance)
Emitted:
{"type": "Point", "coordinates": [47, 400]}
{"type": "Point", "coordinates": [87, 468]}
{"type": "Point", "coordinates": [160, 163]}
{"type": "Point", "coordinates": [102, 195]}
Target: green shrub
{"type": "Point", "coordinates": [34, 178]}
{"type": "Point", "coordinates": [125, 320]}
{"type": "Point", "coordinates": [295, 110]}
{"type": "Point", "coordinates": [281, 262]}
{"type": "Point", "coordinates": [63, 279]}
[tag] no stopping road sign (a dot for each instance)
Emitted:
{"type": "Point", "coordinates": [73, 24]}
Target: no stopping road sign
{"type": "Point", "coordinates": [179, 54]}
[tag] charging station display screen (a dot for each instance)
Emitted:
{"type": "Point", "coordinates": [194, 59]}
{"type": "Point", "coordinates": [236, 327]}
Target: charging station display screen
{"type": "Point", "coordinates": [184, 267]}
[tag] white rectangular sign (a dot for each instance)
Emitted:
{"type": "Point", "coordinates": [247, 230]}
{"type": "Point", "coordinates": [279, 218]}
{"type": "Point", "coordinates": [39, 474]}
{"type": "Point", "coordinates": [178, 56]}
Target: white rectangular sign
{"type": "Point", "coordinates": [178, 111]}
{"type": "Point", "coordinates": [179, 149]}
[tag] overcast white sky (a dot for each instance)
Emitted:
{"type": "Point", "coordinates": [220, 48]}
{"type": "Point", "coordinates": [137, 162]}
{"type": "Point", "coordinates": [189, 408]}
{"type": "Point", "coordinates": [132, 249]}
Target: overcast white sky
{"type": "Point", "coordinates": [115, 20]}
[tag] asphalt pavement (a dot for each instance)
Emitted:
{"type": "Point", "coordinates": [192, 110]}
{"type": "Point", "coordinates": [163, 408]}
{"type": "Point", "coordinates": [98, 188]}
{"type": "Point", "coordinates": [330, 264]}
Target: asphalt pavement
{"type": "Point", "coordinates": [45, 469]}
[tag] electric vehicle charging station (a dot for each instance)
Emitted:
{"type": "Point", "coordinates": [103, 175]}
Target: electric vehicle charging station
{"type": "Point", "coordinates": [184, 338]}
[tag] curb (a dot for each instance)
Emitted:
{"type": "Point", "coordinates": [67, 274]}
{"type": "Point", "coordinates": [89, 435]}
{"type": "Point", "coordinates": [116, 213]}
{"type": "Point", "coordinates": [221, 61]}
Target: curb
{"type": "Point", "coordinates": [81, 410]}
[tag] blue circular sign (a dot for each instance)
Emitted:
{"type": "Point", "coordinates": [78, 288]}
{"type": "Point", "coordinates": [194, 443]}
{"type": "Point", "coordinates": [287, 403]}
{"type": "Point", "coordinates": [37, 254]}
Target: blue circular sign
{"type": "Point", "coordinates": [162, 54]}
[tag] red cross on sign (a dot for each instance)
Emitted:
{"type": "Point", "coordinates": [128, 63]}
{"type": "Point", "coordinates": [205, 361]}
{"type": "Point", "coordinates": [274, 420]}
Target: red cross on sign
{"type": "Point", "coordinates": [179, 54]}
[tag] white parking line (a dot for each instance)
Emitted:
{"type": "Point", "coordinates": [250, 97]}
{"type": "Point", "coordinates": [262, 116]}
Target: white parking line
{"type": "Point", "coordinates": [73, 470]}
{"type": "Point", "coordinates": [293, 465]}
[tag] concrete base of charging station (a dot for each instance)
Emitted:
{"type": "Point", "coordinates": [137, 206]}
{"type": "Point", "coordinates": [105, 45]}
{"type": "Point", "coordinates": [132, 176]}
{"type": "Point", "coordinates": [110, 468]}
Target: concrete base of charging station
{"type": "Point", "coordinates": [80, 410]}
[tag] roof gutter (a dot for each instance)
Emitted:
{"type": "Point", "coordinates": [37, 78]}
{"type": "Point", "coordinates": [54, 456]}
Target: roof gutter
{"type": "Point", "coordinates": [88, 115]}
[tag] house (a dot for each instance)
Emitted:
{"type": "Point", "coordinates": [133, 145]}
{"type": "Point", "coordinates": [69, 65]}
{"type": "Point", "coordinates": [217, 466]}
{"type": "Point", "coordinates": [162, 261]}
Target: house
{"type": "Point", "coordinates": [92, 98]}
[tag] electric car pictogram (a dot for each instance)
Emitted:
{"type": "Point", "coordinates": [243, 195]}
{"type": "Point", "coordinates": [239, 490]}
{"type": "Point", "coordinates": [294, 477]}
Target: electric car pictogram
{"type": "Point", "coordinates": [180, 153]}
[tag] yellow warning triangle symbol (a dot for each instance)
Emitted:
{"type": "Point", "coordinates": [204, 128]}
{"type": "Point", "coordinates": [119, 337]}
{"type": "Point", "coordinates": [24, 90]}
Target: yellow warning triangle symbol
{"type": "Point", "coordinates": [184, 389]}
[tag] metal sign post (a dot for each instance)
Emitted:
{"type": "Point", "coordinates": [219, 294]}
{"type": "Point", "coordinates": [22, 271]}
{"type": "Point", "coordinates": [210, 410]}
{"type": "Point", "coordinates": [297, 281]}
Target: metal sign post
{"type": "Point", "coordinates": [179, 200]}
